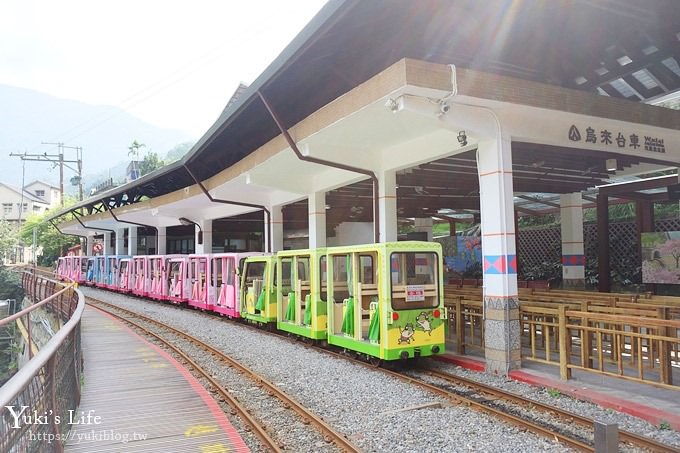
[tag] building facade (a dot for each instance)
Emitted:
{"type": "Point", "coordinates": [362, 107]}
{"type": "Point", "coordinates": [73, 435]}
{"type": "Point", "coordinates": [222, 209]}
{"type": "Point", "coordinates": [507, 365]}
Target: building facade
{"type": "Point", "coordinates": [17, 205]}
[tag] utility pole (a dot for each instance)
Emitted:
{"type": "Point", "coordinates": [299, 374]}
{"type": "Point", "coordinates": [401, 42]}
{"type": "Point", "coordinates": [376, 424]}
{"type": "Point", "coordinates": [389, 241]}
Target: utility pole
{"type": "Point", "coordinates": [79, 160]}
{"type": "Point", "coordinates": [58, 159]}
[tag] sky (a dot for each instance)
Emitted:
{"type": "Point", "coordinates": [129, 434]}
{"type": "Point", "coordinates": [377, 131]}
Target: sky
{"type": "Point", "coordinates": [172, 63]}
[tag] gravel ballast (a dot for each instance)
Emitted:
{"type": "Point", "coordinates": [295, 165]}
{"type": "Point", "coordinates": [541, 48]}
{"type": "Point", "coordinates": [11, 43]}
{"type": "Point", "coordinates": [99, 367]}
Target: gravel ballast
{"type": "Point", "coordinates": [375, 411]}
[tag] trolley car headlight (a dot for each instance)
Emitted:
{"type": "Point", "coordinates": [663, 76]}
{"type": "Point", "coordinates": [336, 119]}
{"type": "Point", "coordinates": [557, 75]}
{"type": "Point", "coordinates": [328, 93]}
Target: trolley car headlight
{"type": "Point", "coordinates": [435, 349]}
{"type": "Point", "coordinates": [403, 355]}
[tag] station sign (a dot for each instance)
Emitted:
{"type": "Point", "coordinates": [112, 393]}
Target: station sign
{"type": "Point", "coordinates": [616, 139]}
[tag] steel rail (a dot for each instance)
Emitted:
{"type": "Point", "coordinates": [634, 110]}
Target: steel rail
{"type": "Point", "coordinates": [510, 418]}
{"type": "Point", "coordinates": [241, 411]}
{"type": "Point", "coordinates": [306, 415]}
{"type": "Point", "coordinates": [624, 436]}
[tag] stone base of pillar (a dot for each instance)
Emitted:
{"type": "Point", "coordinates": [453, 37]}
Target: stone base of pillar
{"type": "Point", "coordinates": [502, 348]}
{"type": "Point", "coordinates": [574, 283]}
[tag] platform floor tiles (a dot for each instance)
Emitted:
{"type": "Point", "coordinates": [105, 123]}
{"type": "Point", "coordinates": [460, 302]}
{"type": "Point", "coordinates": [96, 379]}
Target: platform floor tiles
{"type": "Point", "coordinates": [138, 398]}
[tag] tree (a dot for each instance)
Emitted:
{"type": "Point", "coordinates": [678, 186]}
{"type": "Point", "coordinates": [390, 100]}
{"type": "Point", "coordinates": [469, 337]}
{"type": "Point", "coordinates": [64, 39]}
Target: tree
{"type": "Point", "coordinates": [53, 243]}
{"type": "Point", "coordinates": [671, 247]}
{"type": "Point", "coordinates": [8, 238]}
{"type": "Point", "coordinates": [150, 163]}
{"type": "Point", "coordinates": [178, 152]}
{"type": "Point", "coordinates": [133, 149]}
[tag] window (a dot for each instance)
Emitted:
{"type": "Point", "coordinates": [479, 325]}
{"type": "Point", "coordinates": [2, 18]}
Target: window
{"type": "Point", "coordinates": [286, 275]}
{"type": "Point", "coordinates": [415, 280]}
{"type": "Point", "coordinates": [40, 193]}
{"type": "Point", "coordinates": [367, 274]}
{"type": "Point", "coordinates": [7, 208]}
{"type": "Point", "coordinates": [255, 271]}
{"type": "Point", "coordinates": [323, 278]}
{"type": "Point", "coordinates": [342, 279]}
{"type": "Point", "coordinates": [303, 268]}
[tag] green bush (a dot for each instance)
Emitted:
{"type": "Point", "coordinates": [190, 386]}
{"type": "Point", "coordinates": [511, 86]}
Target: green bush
{"type": "Point", "coordinates": [10, 285]}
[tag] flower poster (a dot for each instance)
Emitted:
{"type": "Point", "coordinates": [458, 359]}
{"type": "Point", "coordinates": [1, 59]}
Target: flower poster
{"type": "Point", "coordinates": [661, 257]}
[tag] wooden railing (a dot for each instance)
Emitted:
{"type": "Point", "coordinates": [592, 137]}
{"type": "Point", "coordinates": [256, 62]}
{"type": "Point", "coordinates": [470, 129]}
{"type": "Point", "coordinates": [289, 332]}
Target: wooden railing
{"type": "Point", "coordinates": [628, 336]}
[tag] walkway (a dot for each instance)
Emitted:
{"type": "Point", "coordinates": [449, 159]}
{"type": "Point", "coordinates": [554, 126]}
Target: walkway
{"type": "Point", "coordinates": [138, 398]}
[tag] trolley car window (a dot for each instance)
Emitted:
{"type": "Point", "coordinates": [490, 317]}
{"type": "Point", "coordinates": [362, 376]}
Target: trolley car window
{"type": "Point", "coordinates": [367, 274]}
{"type": "Point", "coordinates": [303, 268]}
{"type": "Point", "coordinates": [229, 270]}
{"type": "Point", "coordinates": [216, 266]}
{"type": "Point", "coordinates": [342, 271]}
{"type": "Point", "coordinates": [255, 271]}
{"type": "Point", "coordinates": [286, 275]}
{"type": "Point", "coordinates": [175, 269]}
{"type": "Point", "coordinates": [241, 263]}
{"type": "Point", "coordinates": [323, 278]}
{"type": "Point", "coordinates": [414, 280]}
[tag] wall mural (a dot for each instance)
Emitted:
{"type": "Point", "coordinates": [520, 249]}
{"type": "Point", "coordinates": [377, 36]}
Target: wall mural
{"type": "Point", "coordinates": [462, 254]}
{"type": "Point", "coordinates": [661, 257]}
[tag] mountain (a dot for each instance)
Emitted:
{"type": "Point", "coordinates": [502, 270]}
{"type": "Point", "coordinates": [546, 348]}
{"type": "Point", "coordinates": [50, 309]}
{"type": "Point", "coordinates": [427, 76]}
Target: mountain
{"type": "Point", "coordinates": [28, 118]}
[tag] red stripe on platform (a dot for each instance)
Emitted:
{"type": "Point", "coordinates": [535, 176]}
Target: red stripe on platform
{"type": "Point", "coordinates": [651, 414]}
{"type": "Point", "coordinates": [648, 413]}
{"type": "Point", "coordinates": [465, 362]}
{"type": "Point", "coordinates": [218, 414]}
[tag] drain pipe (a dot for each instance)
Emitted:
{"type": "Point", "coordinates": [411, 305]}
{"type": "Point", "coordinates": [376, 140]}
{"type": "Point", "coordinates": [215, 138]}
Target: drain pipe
{"type": "Point", "coordinates": [66, 234]}
{"type": "Point", "coordinates": [88, 227]}
{"type": "Point", "coordinates": [132, 223]}
{"type": "Point", "coordinates": [61, 249]}
{"type": "Point", "coordinates": [296, 150]}
{"type": "Point", "coordinates": [268, 222]}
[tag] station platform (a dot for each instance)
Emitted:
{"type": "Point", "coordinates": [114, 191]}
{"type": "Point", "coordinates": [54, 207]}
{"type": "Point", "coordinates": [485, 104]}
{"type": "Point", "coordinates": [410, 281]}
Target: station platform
{"type": "Point", "coordinates": [136, 397]}
{"type": "Point", "coordinates": [654, 404]}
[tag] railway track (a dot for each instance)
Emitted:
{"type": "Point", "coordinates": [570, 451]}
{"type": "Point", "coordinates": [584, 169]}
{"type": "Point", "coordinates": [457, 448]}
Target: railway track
{"type": "Point", "coordinates": [494, 395]}
{"type": "Point", "coordinates": [457, 398]}
{"type": "Point", "coordinates": [307, 417]}
{"type": "Point", "coordinates": [491, 401]}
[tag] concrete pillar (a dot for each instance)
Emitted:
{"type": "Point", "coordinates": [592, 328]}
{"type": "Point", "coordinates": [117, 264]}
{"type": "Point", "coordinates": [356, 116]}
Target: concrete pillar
{"type": "Point", "coordinates": [206, 245]}
{"type": "Point", "coordinates": [604, 281]}
{"type": "Point", "coordinates": [161, 241]}
{"type": "Point", "coordinates": [387, 198]}
{"type": "Point", "coordinates": [501, 302]}
{"type": "Point", "coordinates": [108, 249]}
{"type": "Point", "coordinates": [89, 243]}
{"type": "Point", "coordinates": [573, 257]}
{"type": "Point", "coordinates": [317, 219]}
{"type": "Point", "coordinates": [424, 225]}
{"type": "Point", "coordinates": [276, 229]}
{"type": "Point", "coordinates": [132, 241]}
{"type": "Point", "coordinates": [120, 242]}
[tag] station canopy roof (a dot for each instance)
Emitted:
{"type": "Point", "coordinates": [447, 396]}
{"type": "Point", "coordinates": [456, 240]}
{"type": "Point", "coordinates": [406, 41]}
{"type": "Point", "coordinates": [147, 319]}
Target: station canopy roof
{"type": "Point", "coordinates": [626, 49]}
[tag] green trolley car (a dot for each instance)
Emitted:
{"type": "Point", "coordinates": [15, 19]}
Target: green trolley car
{"type": "Point", "coordinates": [384, 301]}
{"type": "Point", "coordinates": [302, 305]}
{"type": "Point", "coordinates": [258, 289]}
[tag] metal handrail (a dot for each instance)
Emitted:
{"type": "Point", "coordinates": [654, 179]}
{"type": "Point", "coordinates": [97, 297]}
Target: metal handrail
{"type": "Point", "coordinates": [12, 387]}
{"type": "Point", "coordinates": [50, 381]}
{"type": "Point", "coordinates": [25, 311]}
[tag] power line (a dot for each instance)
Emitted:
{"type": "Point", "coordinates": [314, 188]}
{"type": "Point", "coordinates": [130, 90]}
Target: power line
{"type": "Point", "coordinates": [58, 159]}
